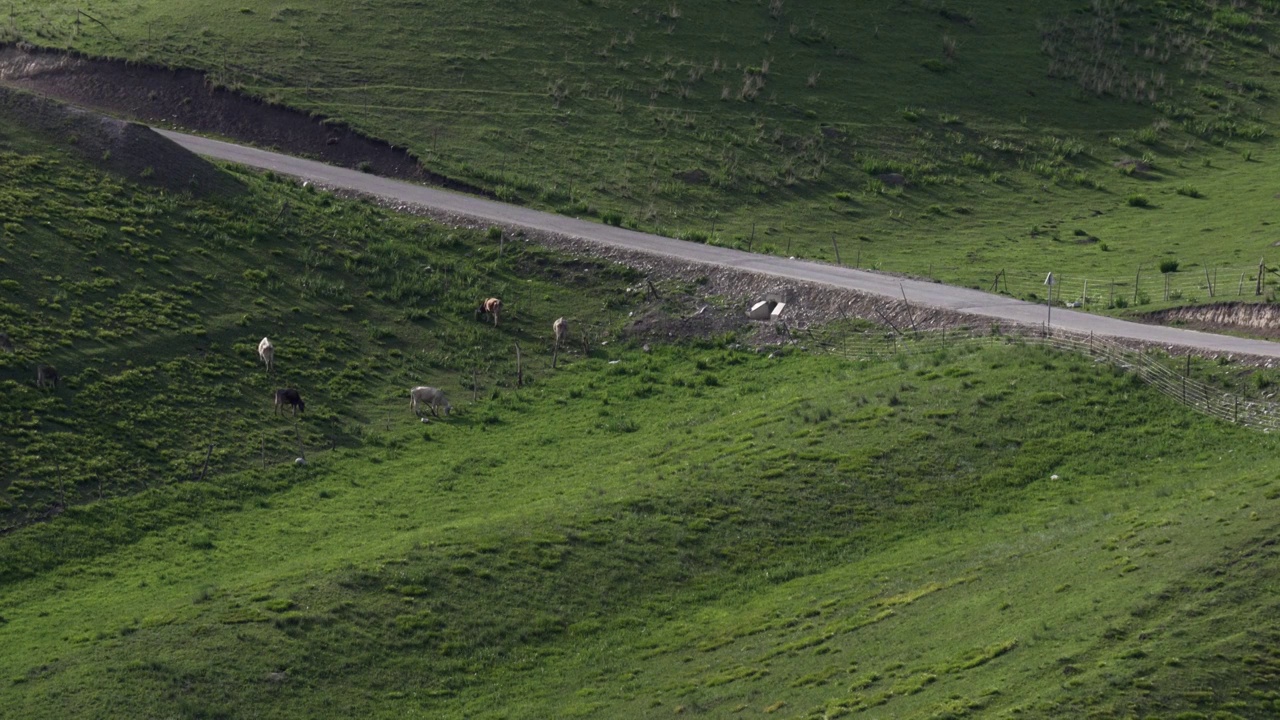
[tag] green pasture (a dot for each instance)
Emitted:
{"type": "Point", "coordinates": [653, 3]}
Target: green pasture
{"type": "Point", "coordinates": [151, 303]}
{"type": "Point", "coordinates": [697, 530]}
{"type": "Point", "coordinates": [779, 126]}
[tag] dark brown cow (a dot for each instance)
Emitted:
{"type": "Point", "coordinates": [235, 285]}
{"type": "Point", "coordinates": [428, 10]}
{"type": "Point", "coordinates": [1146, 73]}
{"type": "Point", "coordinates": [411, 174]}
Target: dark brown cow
{"type": "Point", "coordinates": [47, 376]}
{"type": "Point", "coordinates": [289, 396]}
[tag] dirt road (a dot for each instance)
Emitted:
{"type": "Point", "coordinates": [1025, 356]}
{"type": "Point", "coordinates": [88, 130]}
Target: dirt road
{"type": "Point", "coordinates": [962, 300]}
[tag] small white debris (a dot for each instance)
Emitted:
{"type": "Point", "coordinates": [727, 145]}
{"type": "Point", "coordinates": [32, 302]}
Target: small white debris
{"type": "Point", "coordinates": [614, 362]}
{"type": "Point", "coordinates": [426, 420]}
{"type": "Point", "coordinates": [300, 461]}
{"type": "Point", "coordinates": [1053, 477]}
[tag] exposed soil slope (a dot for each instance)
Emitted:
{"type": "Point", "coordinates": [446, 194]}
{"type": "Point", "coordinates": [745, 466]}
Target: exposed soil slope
{"type": "Point", "coordinates": [1254, 319]}
{"type": "Point", "coordinates": [186, 99]}
{"type": "Point", "coordinates": [127, 149]}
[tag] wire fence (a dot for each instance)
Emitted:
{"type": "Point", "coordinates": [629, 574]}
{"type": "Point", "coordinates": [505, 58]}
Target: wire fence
{"type": "Point", "coordinates": [1147, 283]}
{"type": "Point", "coordinates": [1195, 394]}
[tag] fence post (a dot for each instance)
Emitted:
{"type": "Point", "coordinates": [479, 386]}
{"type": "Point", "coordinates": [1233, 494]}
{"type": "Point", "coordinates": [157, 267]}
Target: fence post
{"type": "Point", "coordinates": [203, 470]}
{"type": "Point", "coordinates": [519, 368]}
{"type": "Point", "coordinates": [1136, 279]}
{"type": "Point", "coordinates": [836, 247]}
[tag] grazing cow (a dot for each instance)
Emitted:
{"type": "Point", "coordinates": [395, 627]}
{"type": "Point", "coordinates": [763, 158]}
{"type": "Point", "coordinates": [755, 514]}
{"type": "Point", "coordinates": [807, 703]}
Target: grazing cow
{"type": "Point", "coordinates": [433, 398]}
{"type": "Point", "coordinates": [289, 396]}
{"type": "Point", "coordinates": [267, 352]}
{"type": "Point", "coordinates": [491, 307]}
{"type": "Point", "coordinates": [561, 328]}
{"type": "Point", "coordinates": [5, 343]}
{"type": "Point", "coordinates": [46, 376]}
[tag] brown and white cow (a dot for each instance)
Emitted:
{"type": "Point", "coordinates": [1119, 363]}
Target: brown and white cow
{"type": "Point", "coordinates": [491, 307]}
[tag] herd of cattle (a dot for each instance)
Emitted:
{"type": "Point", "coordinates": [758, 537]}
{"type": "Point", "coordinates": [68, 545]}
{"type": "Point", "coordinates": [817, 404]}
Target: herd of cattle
{"type": "Point", "coordinates": [421, 396]}
{"type": "Point", "coordinates": [431, 398]}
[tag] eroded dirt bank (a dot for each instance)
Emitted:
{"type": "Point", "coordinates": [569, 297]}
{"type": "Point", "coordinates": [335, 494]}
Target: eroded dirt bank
{"type": "Point", "coordinates": [1254, 319]}
{"type": "Point", "coordinates": [184, 99]}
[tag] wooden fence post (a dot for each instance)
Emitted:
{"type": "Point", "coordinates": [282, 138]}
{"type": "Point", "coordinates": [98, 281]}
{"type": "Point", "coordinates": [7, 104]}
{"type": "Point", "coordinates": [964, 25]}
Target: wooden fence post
{"type": "Point", "coordinates": [836, 247]}
{"type": "Point", "coordinates": [519, 368]}
{"type": "Point", "coordinates": [302, 452]}
{"type": "Point", "coordinates": [205, 469]}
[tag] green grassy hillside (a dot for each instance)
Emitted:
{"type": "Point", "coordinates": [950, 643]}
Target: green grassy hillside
{"type": "Point", "coordinates": [151, 304]}
{"type": "Point", "coordinates": [699, 531]}
{"type": "Point", "coordinates": [1090, 139]}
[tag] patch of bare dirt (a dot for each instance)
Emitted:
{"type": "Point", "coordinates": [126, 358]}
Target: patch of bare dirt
{"type": "Point", "coordinates": [687, 318]}
{"type": "Point", "coordinates": [697, 176]}
{"type": "Point", "coordinates": [186, 100]}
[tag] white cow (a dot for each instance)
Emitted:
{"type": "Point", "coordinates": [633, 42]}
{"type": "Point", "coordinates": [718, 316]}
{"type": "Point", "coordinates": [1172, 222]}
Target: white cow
{"type": "Point", "coordinates": [267, 352]}
{"type": "Point", "coordinates": [433, 398]}
{"type": "Point", "coordinates": [561, 328]}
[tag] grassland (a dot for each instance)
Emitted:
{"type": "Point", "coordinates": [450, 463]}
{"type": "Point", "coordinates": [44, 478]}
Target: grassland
{"type": "Point", "coordinates": [1092, 141]}
{"type": "Point", "coordinates": [151, 304]}
{"type": "Point", "coordinates": [701, 529]}
{"type": "Point", "coordinates": [697, 530]}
